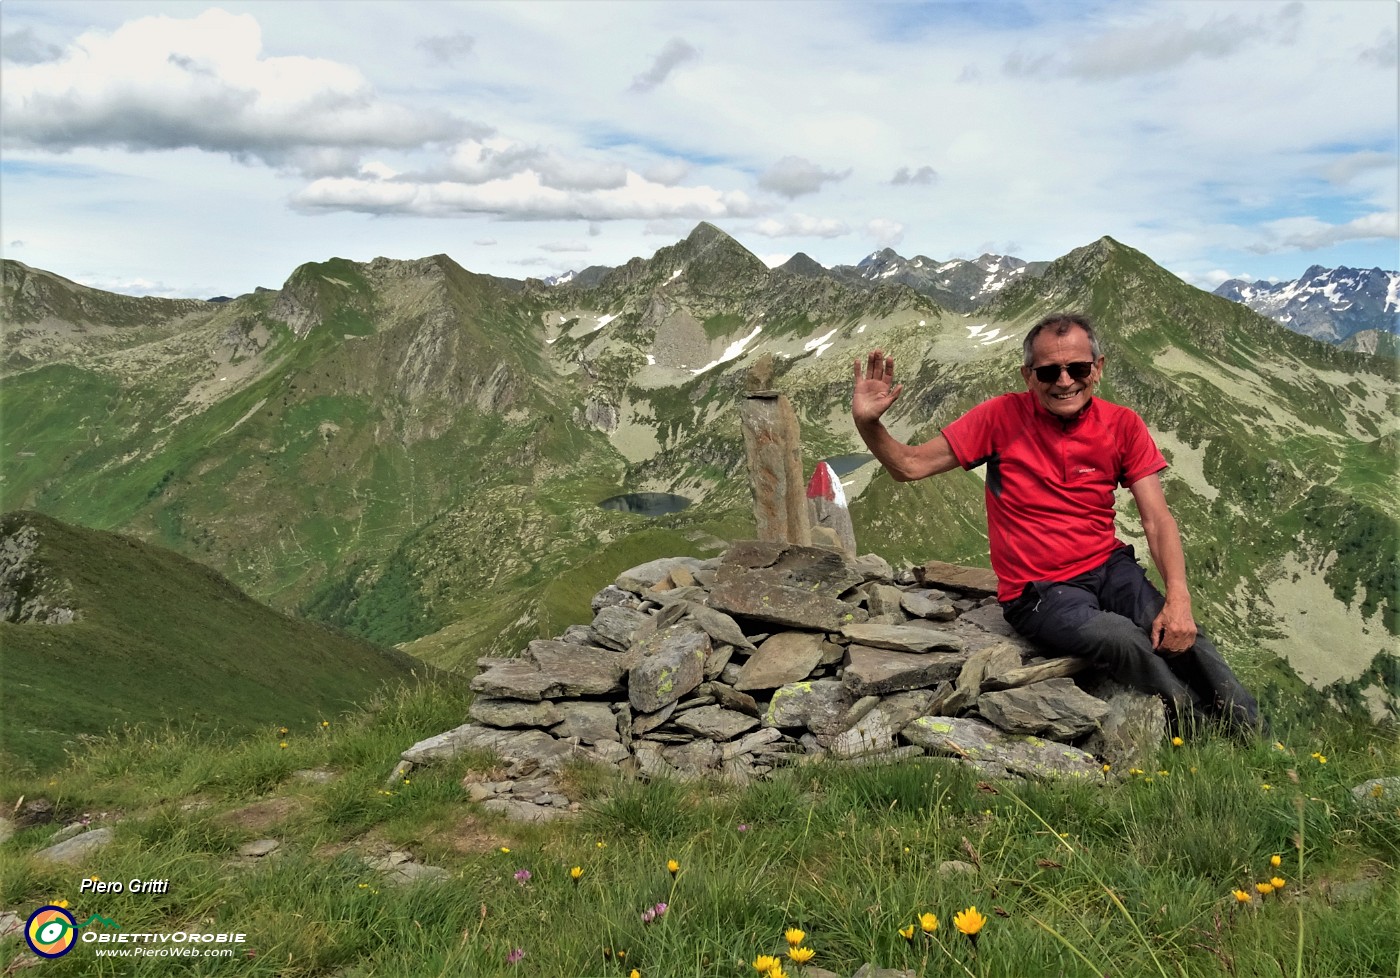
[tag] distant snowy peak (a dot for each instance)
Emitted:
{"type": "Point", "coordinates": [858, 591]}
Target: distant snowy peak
{"type": "Point", "coordinates": [1329, 304]}
{"type": "Point", "coordinates": [958, 284]}
{"type": "Point", "coordinates": [564, 279]}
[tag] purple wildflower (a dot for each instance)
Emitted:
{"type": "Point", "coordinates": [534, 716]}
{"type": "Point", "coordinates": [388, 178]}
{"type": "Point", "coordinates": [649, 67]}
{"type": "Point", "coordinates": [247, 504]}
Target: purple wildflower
{"type": "Point", "coordinates": [514, 956]}
{"type": "Point", "coordinates": [660, 909]}
{"type": "Point", "coordinates": [522, 876]}
{"type": "Point", "coordinates": [648, 916]}
{"type": "Point", "coordinates": [743, 827]}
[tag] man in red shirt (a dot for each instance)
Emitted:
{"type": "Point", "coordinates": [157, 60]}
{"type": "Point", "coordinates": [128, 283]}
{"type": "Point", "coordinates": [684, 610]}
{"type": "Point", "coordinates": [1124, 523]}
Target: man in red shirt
{"type": "Point", "coordinates": [1054, 455]}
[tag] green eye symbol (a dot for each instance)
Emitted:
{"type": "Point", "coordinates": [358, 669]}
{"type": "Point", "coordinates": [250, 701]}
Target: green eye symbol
{"type": "Point", "coordinates": [54, 930]}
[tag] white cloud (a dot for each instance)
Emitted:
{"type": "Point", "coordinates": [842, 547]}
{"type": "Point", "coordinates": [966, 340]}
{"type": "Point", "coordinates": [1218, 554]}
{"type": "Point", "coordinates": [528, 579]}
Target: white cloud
{"type": "Point", "coordinates": [792, 176]}
{"type": "Point", "coordinates": [1309, 233]}
{"type": "Point", "coordinates": [887, 233]}
{"type": "Point", "coordinates": [524, 197]}
{"type": "Point", "coordinates": [161, 83]}
{"type": "Point", "coordinates": [800, 225]}
{"type": "Point", "coordinates": [564, 246]}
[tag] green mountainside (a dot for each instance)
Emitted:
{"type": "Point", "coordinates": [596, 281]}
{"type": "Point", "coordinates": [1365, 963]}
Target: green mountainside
{"type": "Point", "coordinates": [154, 638]}
{"type": "Point", "coordinates": [415, 452]}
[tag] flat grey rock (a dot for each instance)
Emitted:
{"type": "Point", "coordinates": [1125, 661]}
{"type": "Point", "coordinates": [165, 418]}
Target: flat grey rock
{"type": "Point", "coordinates": [1055, 708]}
{"type": "Point", "coordinates": [591, 723]}
{"type": "Point", "coordinates": [820, 706]}
{"type": "Point", "coordinates": [514, 713]}
{"type": "Point", "coordinates": [787, 657]}
{"type": "Point", "coordinates": [716, 722]}
{"type": "Point", "coordinates": [903, 638]}
{"type": "Point", "coordinates": [77, 848]}
{"type": "Point", "coordinates": [871, 671]}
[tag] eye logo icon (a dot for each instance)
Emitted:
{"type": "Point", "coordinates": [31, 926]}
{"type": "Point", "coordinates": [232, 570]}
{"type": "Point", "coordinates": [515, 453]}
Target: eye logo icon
{"type": "Point", "coordinates": [51, 932]}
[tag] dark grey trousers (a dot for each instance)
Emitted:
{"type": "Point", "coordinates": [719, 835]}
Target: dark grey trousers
{"type": "Point", "coordinates": [1105, 615]}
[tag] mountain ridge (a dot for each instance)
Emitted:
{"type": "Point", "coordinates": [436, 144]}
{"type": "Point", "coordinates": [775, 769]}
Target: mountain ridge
{"type": "Point", "coordinates": [416, 451]}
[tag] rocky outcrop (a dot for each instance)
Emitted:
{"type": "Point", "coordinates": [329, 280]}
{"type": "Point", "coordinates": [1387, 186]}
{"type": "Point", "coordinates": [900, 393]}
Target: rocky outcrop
{"type": "Point", "coordinates": [28, 594]}
{"type": "Point", "coordinates": [768, 656]}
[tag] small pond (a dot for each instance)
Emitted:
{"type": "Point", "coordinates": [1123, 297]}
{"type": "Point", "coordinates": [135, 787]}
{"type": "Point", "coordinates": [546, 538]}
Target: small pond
{"type": "Point", "coordinates": [846, 464]}
{"type": "Point", "coordinates": [646, 503]}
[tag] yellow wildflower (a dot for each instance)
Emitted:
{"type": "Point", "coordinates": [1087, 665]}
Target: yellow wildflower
{"type": "Point", "coordinates": [928, 923]}
{"type": "Point", "coordinates": [325, 723]}
{"type": "Point", "coordinates": [506, 850]}
{"type": "Point", "coordinates": [283, 745]}
{"type": "Point", "coordinates": [801, 955]}
{"type": "Point", "coordinates": [794, 936]}
{"type": "Point", "coordinates": [576, 873]}
{"type": "Point", "coordinates": [969, 922]}
{"type": "Point", "coordinates": [764, 962]}
{"type": "Point", "coordinates": [1243, 896]}
{"type": "Point", "coordinates": [1264, 888]}
{"type": "Point", "coordinates": [1107, 768]}
{"type": "Point", "coordinates": [1277, 882]}
{"type": "Point", "coordinates": [1177, 741]}
{"type": "Point", "coordinates": [61, 903]}
{"type": "Point", "coordinates": [1266, 787]}
{"type": "Point", "coordinates": [634, 973]}
{"type": "Point", "coordinates": [777, 971]}
{"type": "Point", "coordinates": [672, 867]}
{"type": "Point", "coordinates": [601, 844]}
{"type": "Point", "coordinates": [907, 932]}
{"type": "Point", "coordinates": [1276, 861]}
{"type": "Point", "coordinates": [1320, 758]}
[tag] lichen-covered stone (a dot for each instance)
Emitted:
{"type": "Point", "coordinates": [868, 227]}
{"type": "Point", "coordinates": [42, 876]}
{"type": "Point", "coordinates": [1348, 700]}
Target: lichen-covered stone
{"type": "Point", "coordinates": [819, 706]}
{"type": "Point", "coordinates": [668, 667]}
{"type": "Point", "coordinates": [978, 742]}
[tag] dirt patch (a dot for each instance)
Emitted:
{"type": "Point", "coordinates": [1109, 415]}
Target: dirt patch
{"type": "Point", "coordinates": [470, 835]}
{"type": "Point", "coordinates": [263, 815]}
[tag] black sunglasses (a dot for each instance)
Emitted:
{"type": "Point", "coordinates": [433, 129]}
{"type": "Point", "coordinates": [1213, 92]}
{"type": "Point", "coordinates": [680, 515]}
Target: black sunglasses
{"type": "Point", "coordinates": [1079, 370]}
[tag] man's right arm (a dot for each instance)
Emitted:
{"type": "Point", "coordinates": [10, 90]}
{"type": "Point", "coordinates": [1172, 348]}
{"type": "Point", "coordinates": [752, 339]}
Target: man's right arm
{"type": "Point", "coordinates": [875, 391]}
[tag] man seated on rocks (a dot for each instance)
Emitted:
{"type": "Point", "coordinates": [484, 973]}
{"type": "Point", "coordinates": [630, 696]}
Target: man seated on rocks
{"type": "Point", "coordinates": [1054, 455]}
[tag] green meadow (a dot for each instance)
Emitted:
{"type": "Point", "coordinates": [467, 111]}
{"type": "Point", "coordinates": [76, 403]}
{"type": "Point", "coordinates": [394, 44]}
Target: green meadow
{"type": "Point", "coordinates": [1149, 873]}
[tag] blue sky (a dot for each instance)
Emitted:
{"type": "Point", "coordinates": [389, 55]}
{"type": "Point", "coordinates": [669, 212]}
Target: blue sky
{"type": "Point", "coordinates": [183, 148]}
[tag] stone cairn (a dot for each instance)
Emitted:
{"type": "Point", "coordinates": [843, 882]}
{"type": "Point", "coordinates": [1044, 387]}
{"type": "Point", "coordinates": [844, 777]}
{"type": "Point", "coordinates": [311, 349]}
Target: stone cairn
{"type": "Point", "coordinates": [778, 653]}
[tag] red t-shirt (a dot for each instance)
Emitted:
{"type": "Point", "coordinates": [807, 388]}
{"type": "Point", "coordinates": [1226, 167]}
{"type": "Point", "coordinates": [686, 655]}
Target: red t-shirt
{"type": "Point", "coordinates": [1050, 483]}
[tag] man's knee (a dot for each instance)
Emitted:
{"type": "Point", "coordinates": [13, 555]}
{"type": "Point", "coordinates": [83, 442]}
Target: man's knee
{"type": "Point", "coordinates": [1114, 641]}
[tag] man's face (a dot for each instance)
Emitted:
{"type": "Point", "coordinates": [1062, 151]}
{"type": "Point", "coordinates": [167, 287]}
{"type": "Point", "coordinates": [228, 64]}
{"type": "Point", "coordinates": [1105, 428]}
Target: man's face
{"type": "Point", "coordinates": [1063, 397]}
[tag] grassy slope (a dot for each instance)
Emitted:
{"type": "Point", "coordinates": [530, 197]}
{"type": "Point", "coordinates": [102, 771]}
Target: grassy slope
{"type": "Point", "coordinates": [161, 639]}
{"type": "Point", "coordinates": [1132, 877]}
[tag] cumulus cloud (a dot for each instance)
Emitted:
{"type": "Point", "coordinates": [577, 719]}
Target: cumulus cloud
{"type": "Point", "coordinates": [672, 56]}
{"type": "Point", "coordinates": [887, 233]}
{"type": "Point", "coordinates": [800, 225]}
{"type": "Point", "coordinates": [523, 197]}
{"type": "Point", "coordinates": [162, 83]}
{"type": "Point", "coordinates": [923, 175]}
{"type": "Point", "coordinates": [669, 172]}
{"type": "Point", "coordinates": [24, 47]}
{"type": "Point", "coordinates": [1308, 233]}
{"type": "Point", "coordinates": [792, 176]}
{"type": "Point", "coordinates": [477, 162]}
{"type": "Point", "coordinates": [447, 48]}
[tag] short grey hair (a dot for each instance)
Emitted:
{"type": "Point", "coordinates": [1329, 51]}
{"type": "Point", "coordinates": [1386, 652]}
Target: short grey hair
{"type": "Point", "coordinates": [1061, 323]}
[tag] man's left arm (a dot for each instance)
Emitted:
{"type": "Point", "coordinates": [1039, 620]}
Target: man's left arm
{"type": "Point", "coordinates": [1174, 629]}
